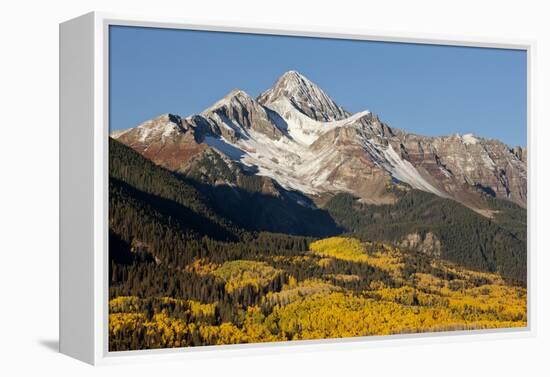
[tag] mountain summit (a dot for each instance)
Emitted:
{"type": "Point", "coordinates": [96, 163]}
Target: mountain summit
{"type": "Point", "coordinates": [305, 96]}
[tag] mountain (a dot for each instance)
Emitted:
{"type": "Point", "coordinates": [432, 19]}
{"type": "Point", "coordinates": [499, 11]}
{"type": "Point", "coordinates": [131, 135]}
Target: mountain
{"type": "Point", "coordinates": [298, 137]}
{"type": "Point", "coordinates": [294, 162]}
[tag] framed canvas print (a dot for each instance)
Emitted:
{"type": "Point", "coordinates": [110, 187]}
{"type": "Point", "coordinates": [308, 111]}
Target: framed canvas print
{"type": "Point", "coordinates": [223, 186]}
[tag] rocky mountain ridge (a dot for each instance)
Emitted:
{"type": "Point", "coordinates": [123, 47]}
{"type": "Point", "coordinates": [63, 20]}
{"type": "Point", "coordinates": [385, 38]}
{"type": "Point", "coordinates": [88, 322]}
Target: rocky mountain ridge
{"type": "Point", "coordinates": [296, 137]}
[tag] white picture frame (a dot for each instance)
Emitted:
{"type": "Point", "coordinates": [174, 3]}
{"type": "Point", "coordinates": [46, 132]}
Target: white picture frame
{"type": "Point", "coordinates": [84, 125]}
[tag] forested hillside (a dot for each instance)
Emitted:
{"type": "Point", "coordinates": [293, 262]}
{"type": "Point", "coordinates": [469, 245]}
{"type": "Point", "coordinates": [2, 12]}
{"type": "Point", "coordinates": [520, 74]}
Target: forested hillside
{"type": "Point", "coordinates": [466, 237]}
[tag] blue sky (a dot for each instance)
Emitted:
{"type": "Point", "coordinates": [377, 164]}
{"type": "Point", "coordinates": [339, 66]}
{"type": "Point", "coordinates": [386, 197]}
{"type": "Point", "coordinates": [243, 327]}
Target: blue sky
{"type": "Point", "coordinates": [425, 89]}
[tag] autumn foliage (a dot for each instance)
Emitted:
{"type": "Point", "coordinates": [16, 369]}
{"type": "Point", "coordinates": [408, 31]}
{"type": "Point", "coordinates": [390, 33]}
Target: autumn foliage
{"type": "Point", "coordinates": [411, 294]}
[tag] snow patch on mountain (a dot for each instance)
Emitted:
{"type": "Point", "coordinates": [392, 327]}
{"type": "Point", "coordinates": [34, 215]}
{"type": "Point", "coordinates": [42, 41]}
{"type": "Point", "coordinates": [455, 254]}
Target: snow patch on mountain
{"type": "Point", "coordinates": [225, 147]}
{"type": "Point", "coordinates": [302, 128]}
{"type": "Point", "coordinates": [404, 171]}
{"type": "Point", "coordinates": [469, 139]}
{"type": "Point", "coordinates": [159, 129]}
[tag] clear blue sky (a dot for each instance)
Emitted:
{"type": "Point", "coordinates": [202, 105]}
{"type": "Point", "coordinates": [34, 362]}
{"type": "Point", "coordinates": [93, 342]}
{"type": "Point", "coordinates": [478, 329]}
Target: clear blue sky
{"type": "Point", "coordinates": [425, 89]}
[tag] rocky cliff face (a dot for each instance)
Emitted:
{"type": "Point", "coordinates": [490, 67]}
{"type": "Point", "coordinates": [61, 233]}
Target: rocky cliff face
{"type": "Point", "coordinates": [520, 153]}
{"type": "Point", "coordinates": [428, 244]}
{"type": "Point", "coordinates": [296, 136]}
{"type": "Point", "coordinates": [237, 113]}
{"type": "Point", "coordinates": [475, 162]}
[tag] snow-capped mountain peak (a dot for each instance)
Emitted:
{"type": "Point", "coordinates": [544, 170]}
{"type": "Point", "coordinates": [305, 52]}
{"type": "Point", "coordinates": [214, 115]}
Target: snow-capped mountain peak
{"type": "Point", "coordinates": [237, 113]}
{"type": "Point", "coordinates": [234, 97]}
{"type": "Point", "coordinates": [296, 135]}
{"type": "Point", "coordinates": [305, 96]}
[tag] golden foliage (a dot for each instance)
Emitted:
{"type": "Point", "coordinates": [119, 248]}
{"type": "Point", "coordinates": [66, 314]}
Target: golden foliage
{"type": "Point", "coordinates": [124, 304]}
{"type": "Point", "coordinates": [344, 315]}
{"type": "Point", "coordinates": [343, 277]}
{"type": "Point", "coordinates": [324, 262]}
{"type": "Point", "coordinates": [381, 256]}
{"type": "Point", "coordinates": [295, 291]}
{"type": "Point", "coordinates": [455, 299]}
{"type": "Point", "coordinates": [201, 267]}
{"type": "Point", "coordinates": [407, 295]}
{"type": "Point", "coordinates": [240, 273]}
{"type": "Point", "coordinates": [132, 304]}
{"type": "Point", "coordinates": [291, 258]}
